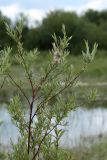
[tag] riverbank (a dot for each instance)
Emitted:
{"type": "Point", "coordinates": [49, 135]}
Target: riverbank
{"type": "Point", "coordinates": [96, 151]}
{"type": "Point", "coordinates": [95, 77]}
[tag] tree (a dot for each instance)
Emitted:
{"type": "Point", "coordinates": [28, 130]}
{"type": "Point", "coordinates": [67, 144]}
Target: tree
{"type": "Point", "coordinates": [92, 16]}
{"type": "Point", "coordinates": [51, 24]}
{"type": "Point", "coordinates": [4, 40]}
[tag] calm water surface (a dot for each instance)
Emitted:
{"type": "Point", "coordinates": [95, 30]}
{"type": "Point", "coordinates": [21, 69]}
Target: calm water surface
{"type": "Point", "coordinates": [82, 123]}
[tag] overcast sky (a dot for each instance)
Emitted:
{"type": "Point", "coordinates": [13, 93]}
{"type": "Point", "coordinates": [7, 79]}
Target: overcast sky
{"type": "Point", "coordinates": [37, 9]}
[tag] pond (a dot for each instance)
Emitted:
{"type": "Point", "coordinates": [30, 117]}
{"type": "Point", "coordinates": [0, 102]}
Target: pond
{"type": "Point", "coordinates": [82, 123]}
{"type": "Point", "coordinates": [85, 125]}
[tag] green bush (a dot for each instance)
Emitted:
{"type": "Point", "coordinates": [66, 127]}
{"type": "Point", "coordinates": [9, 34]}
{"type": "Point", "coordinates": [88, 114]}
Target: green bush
{"type": "Point", "coordinates": [46, 104]}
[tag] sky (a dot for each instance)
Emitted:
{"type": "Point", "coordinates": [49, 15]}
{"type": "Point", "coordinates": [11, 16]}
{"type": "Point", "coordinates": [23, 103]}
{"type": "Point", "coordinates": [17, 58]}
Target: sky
{"type": "Point", "coordinates": [35, 10]}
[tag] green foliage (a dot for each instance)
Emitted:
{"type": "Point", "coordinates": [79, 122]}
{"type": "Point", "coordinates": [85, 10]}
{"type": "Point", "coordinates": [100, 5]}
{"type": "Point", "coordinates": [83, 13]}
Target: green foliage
{"type": "Point", "coordinates": [18, 117]}
{"type": "Point", "coordinates": [19, 151]}
{"type": "Point", "coordinates": [89, 57]}
{"type": "Point", "coordinates": [46, 103]}
{"type": "Point", "coordinates": [5, 60]}
{"type": "Point", "coordinates": [80, 27]}
{"type": "Point", "coordinates": [2, 156]}
{"type": "Point", "coordinates": [96, 151]}
{"type": "Point", "coordinates": [91, 25]}
{"type": "Point", "coordinates": [4, 40]}
{"type": "Point", "coordinates": [92, 95]}
{"type": "Point", "coordinates": [1, 122]}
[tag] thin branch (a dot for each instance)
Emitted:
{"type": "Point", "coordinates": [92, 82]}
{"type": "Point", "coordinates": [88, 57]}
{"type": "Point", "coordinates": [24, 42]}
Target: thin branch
{"type": "Point", "coordinates": [46, 134]}
{"type": "Point", "coordinates": [29, 128]}
{"type": "Point", "coordinates": [3, 83]}
{"type": "Point", "coordinates": [21, 90]}
{"type": "Point", "coordinates": [44, 79]}
{"type": "Point", "coordinates": [60, 91]}
{"type": "Point", "coordinates": [41, 103]}
{"type": "Point", "coordinates": [29, 77]}
{"type": "Point", "coordinates": [31, 104]}
{"type": "Point", "coordinates": [67, 85]}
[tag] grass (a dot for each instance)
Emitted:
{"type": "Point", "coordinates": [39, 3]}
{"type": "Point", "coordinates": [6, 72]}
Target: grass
{"type": "Point", "coordinates": [97, 151]}
{"type": "Point", "coordinates": [96, 71]}
{"type": "Point", "coordinates": [2, 156]}
{"type": "Point", "coordinates": [94, 75]}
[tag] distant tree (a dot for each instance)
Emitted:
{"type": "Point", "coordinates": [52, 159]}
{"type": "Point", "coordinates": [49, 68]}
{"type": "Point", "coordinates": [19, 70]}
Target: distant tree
{"type": "Point", "coordinates": [4, 39]}
{"type": "Point", "coordinates": [92, 26]}
{"type": "Point", "coordinates": [52, 24]}
{"type": "Point", "coordinates": [25, 30]}
{"type": "Point", "coordinates": [103, 15]}
{"type": "Point", "coordinates": [92, 16]}
{"type": "Point", "coordinates": [32, 38]}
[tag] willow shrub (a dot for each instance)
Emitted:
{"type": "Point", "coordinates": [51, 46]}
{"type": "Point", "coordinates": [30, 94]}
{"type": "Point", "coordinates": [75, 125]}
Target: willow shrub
{"type": "Point", "coordinates": [40, 130]}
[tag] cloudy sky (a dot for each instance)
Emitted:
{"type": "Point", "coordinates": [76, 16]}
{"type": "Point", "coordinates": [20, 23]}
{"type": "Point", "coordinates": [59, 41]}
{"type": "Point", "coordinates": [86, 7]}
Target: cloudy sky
{"type": "Point", "coordinates": [37, 9]}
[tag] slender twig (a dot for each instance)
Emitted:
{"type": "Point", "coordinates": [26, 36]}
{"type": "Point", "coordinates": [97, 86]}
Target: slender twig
{"type": "Point", "coordinates": [3, 83]}
{"type": "Point", "coordinates": [21, 90]}
{"type": "Point", "coordinates": [26, 69]}
{"type": "Point", "coordinates": [60, 91]}
{"type": "Point", "coordinates": [67, 85]}
{"type": "Point", "coordinates": [40, 84]}
{"type": "Point", "coordinates": [44, 79]}
{"type": "Point", "coordinates": [41, 103]}
{"type": "Point", "coordinates": [31, 104]}
{"type": "Point", "coordinates": [29, 128]}
{"type": "Point", "coordinates": [46, 134]}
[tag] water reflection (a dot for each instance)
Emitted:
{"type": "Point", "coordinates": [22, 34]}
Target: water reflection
{"type": "Point", "coordinates": [8, 131]}
{"type": "Point", "coordinates": [84, 123]}
{"type": "Point", "coordinates": [81, 123]}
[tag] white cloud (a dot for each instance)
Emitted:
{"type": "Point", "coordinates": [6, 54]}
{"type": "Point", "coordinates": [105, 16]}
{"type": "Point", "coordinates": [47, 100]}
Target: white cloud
{"type": "Point", "coordinates": [13, 10]}
{"type": "Point", "coordinates": [96, 4]}
{"type": "Point", "coordinates": [10, 10]}
{"type": "Point", "coordinates": [34, 14]}
{"type": "Point", "coordinates": [91, 4]}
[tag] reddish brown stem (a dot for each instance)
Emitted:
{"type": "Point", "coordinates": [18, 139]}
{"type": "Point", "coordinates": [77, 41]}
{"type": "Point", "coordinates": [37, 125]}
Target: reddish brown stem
{"type": "Point", "coordinates": [3, 83]}
{"type": "Point", "coordinates": [60, 91]}
{"type": "Point", "coordinates": [43, 80]}
{"type": "Point", "coordinates": [46, 134]}
{"type": "Point", "coordinates": [29, 129]}
{"type": "Point", "coordinates": [21, 90]}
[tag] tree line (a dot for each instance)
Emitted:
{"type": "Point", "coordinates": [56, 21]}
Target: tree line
{"type": "Point", "coordinates": [92, 25]}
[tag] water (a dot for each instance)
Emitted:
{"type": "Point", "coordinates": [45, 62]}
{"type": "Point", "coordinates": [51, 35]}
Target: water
{"type": "Point", "coordinates": [8, 131]}
{"type": "Point", "coordinates": [81, 124]}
